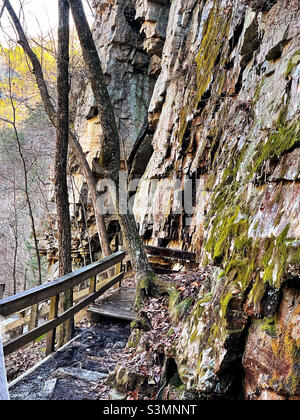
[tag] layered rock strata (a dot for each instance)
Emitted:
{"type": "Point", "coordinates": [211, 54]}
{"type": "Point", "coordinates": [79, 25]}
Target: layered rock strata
{"type": "Point", "coordinates": [224, 117]}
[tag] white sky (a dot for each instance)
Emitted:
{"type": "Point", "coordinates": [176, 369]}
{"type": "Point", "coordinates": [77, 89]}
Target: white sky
{"type": "Point", "coordinates": [40, 16]}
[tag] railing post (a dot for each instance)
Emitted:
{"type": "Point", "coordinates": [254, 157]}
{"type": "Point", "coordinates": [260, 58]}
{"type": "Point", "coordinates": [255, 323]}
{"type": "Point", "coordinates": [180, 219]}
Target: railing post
{"type": "Point", "coordinates": [33, 317]}
{"type": "Point", "coordinates": [118, 269]}
{"type": "Point", "coordinates": [50, 345]}
{"type": "Point", "coordinates": [92, 288]}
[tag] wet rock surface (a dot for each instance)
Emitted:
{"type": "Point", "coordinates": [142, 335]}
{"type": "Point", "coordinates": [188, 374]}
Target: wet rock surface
{"type": "Point", "coordinates": [226, 110]}
{"type": "Point", "coordinates": [271, 358]}
{"type": "Point", "coordinates": [77, 371]}
{"type": "Point", "coordinates": [221, 88]}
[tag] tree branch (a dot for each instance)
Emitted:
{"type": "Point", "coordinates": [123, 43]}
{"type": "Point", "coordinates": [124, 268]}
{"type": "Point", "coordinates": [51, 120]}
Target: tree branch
{"type": "Point", "coordinates": [51, 112]}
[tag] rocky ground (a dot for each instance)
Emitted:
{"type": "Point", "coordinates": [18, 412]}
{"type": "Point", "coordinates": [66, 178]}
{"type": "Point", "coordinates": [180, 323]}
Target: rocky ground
{"type": "Point", "coordinates": [27, 357]}
{"type": "Point", "coordinates": [147, 368]}
{"type": "Point", "coordinates": [76, 372]}
{"type": "Point", "coordinates": [147, 359]}
{"type": "Point", "coordinates": [79, 370]}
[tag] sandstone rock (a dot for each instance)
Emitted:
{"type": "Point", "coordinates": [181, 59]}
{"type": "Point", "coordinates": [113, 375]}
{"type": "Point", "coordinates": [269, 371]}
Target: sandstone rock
{"type": "Point", "coordinates": [81, 374]}
{"type": "Point", "coordinates": [222, 110]}
{"type": "Point", "coordinates": [155, 65]}
{"type": "Point", "coordinates": [220, 84]}
{"type": "Point", "coordinates": [272, 353]}
{"type": "Point", "coordinates": [125, 380]}
{"type": "Point", "coordinates": [211, 344]}
{"type": "Point", "coordinates": [49, 387]}
{"type": "Point", "coordinates": [116, 395]}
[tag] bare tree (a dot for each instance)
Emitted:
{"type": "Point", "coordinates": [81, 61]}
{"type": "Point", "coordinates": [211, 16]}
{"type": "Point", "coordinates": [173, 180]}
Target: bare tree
{"type": "Point", "coordinates": [14, 227]}
{"type": "Point", "coordinates": [18, 252]}
{"type": "Point", "coordinates": [26, 187]}
{"type": "Point", "coordinates": [13, 124]}
{"type": "Point", "coordinates": [51, 112]}
{"type": "Point", "coordinates": [110, 150]}
{"type": "Point", "coordinates": [79, 230]}
{"type": "Point", "coordinates": [11, 220]}
{"type": "Point", "coordinates": [110, 153]}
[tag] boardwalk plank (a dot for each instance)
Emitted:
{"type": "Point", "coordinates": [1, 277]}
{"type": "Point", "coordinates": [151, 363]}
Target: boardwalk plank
{"type": "Point", "coordinates": [118, 305]}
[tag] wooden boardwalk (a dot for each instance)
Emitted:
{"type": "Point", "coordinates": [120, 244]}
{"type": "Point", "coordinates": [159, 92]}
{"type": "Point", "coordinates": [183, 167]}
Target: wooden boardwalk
{"type": "Point", "coordinates": [119, 305]}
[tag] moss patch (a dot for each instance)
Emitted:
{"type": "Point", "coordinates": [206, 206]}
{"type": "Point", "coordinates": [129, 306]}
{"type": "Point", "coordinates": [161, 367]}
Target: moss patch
{"type": "Point", "coordinates": [216, 27]}
{"type": "Point", "coordinates": [279, 142]}
{"type": "Point", "coordinates": [178, 308]}
{"type": "Point", "coordinates": [293, 62]}
{"type": "Point", "coordinates": [269, 325]}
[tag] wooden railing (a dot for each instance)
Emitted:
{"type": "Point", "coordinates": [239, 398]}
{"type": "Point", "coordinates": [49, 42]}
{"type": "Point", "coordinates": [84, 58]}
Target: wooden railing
{"type": "Point", "coordinates": [161, 256]}
{"type": "Point", "coordinates": [51, 290]}
{"type": "Point", "coordinates": [174, 254]}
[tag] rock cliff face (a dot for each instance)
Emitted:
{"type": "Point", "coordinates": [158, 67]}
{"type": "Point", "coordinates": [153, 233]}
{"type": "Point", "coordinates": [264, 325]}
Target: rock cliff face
{"type": "Point", "coordinates": [129, 36]}
{"type": "Point", "coordinates": [221, 83]}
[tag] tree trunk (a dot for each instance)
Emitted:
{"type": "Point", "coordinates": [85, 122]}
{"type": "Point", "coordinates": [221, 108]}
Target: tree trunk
{"type": "Point", "coordinates": [50, 110]}
{"type": "Point", "coordinates": [110, 149]}
{"type": "Point", "coordinates": [16, 238]}
{"type": "Point", "coordinates": [60, 166]}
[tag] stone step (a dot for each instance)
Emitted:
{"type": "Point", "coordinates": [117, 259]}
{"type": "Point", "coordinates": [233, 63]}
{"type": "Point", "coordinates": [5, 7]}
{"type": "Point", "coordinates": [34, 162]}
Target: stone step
{"type": "Point", "coordinates": [78, 373]}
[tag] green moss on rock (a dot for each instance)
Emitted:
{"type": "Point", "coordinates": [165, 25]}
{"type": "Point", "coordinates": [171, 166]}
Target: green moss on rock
{"type": "Point", "coordinates": [269, 325]}
{"type": "Point", "coordinates": [279, 142]}
{"type": "Point", "coordinates": [293, 62]}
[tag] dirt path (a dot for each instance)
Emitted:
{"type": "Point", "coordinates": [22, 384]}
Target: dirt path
{"type": "Point", "coordinates": [78, 371]}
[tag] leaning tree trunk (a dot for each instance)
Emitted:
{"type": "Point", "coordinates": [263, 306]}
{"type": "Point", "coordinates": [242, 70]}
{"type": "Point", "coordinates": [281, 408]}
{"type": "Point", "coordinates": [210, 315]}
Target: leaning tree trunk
{"type": "Point", "coordinates": [110, 149]}
{"type": "Point", "coordinates": [60, 166]}
{"type": "Point", "coordinates": [51, 112]}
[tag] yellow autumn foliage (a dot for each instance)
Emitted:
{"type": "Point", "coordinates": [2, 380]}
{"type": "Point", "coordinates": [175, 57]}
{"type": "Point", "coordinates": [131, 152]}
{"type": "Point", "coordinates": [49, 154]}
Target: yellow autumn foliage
{"type": "Point", "coordinates": [18, 88]}
{"type": "Point", "coordinates": [19, 93]}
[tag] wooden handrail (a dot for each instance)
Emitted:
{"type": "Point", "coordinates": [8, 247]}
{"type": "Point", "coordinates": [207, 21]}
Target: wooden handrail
{"type": "Point", "coordinates": [10, 328]}
{"type": "Point", "coordinates": [44, 292]}
{"type": "Point", "coordinates": [52, 289]}
{"type": "Point", "coordinates": [175, 254]}
{"type": "Point", "coordinates": [24, 339]}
